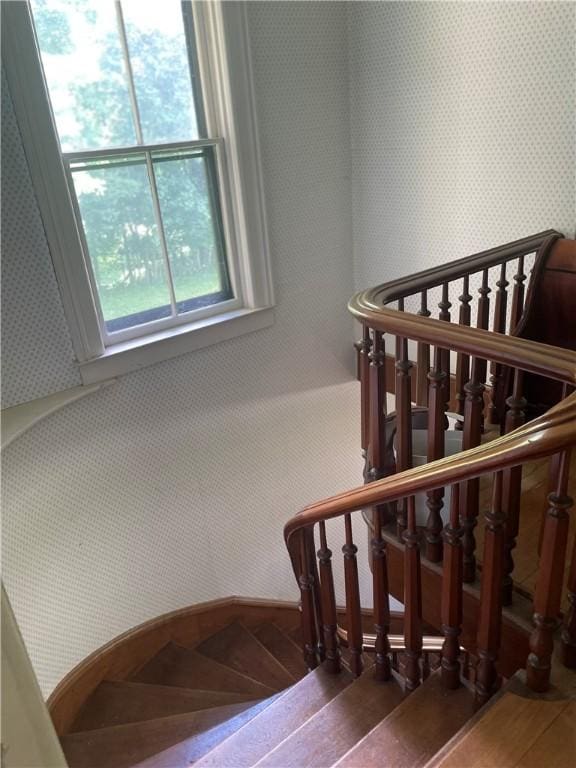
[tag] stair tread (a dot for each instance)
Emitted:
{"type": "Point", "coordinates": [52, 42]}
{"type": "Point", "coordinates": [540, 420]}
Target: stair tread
{"type": "Point", "coordinates": [123, 746]}
{"type": "Point", "coordinates": [283, 648]}
{"type": "Point", "coordinates": [413, 732]}
{"type": "Point", "coordinates": [292, 709]}
{"type": "Point", "coordinates": [340, 724]}
{"type": "Point", "coordinates": [515, 731]}
{"type": "Point", "coordinates": [237, 648]}
{"type": "Point", "coordinates": [177, 666]}
{"type": "Point", "coordinates": [119, 702]}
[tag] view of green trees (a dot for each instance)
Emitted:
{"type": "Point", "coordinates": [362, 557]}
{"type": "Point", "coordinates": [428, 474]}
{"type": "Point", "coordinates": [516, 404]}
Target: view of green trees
{"type": "Point", "coordinates": [87, 82]}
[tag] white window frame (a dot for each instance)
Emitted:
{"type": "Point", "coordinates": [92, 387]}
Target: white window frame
{"type": "Point", "coordinates": [223, 51]}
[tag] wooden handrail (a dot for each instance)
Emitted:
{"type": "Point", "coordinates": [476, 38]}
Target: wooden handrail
{"type": "Point", "coordinates": [434, 276]}
{"type": "Point", "coordinates": [548, 434]}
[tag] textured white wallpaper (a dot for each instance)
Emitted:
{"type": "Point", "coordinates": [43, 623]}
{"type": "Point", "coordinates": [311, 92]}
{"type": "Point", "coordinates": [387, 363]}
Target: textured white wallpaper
{"type": "Point", "coordinates": [36, 348]}
{"type": "Point", "coordinates": [173, 485]}
{"type": "Point", "coordinates": [462, 127]}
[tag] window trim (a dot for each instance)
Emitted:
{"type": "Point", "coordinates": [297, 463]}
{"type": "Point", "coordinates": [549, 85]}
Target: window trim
{"type": "Point", "coordinates": [226, 73]}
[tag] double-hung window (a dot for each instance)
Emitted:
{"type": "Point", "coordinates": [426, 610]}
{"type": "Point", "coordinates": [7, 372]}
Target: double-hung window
{"type": "Point", "coordinates": [157, 190]}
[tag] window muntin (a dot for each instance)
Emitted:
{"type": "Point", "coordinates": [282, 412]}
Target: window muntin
{"type": "Point", "coordinates": [144, 186]}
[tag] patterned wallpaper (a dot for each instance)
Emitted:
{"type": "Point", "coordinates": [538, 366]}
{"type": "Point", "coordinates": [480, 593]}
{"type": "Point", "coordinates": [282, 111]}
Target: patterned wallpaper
{"type": "Point", "coordinates": [463, 124]}
{"type": "Point", "coordinates": [36, 348]}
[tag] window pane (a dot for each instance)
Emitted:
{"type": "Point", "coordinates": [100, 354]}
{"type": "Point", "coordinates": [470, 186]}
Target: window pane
{"type": "Point", "coordinates": [84, 69]}
{"type": "Point", "coordinates": [192, 228]}
{"type": "Point", "coordinates": [123, 242]}
{"type": "Point", "coordinates": [161, 70]}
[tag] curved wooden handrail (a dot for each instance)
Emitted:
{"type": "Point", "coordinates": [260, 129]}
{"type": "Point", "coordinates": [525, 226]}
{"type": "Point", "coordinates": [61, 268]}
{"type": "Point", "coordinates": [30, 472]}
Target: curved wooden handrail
{"type": "Point", "coordinates": [548, 434]}
{"type": "Point", "coordinates": [393, 290]}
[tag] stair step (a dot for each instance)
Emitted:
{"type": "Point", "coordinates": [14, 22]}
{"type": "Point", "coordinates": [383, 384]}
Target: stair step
{"type": "Point", "coordinates": [184, 668]}
{"type": "Point", "coordinates": [415, 730]}
{"type": "Point", "coordinates": [332, 731]}
{"type": "Point", "coordinates": [237, 648]}
{"type": "Point", "coordinates": [115, 703]}
{"type": "Point", "coordinates": [283, 648]}
{"type": "Point", "coordinates": [293, 708]}
{"type": "Point", "coordinates": [123, 746]}
{"type": "Point", "coordinates": [515, 731]}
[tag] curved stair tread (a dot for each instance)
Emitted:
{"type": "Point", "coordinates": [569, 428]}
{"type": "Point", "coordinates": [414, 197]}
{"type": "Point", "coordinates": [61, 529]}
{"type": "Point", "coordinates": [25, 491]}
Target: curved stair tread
{"type": "Point", "coordinates": [290, 711]}
{"type": "Point", "coordinates": [338, 726]}
{"type": "Point", "coordinates": [237, 648]}
{"type": "Point", "coordinates": [413, 732]}
{"type": "Point", "coordinates": [119, 702]}
{"type": "Point", "coordinates": [177, 666]}
{"type": "Point", "coordinates": [123, 746]}
{"type": "Point", "coordinates": [283, 648]}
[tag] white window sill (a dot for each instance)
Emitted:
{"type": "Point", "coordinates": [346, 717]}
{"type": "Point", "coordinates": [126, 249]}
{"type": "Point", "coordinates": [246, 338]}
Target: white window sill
{"type": "Point", "coordinates": [139, 353]}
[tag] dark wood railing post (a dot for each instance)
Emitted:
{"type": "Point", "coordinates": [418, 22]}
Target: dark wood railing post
{"type": "Point", "coordinates": [462, 360]}
{"type": "Point", "coordinates": [330, 620]}
{"type": "Point", "coordinates": [517, 295]}
{"type": "Point", "coordinates": [444, 314]}
{"type": "Point", "coordinates": [353, 609]}
{"type": "Point", "coordinates": [436, 434]}
{"type": "Point", "coordinates": [378, 457]}
{"type": "Point", "coordinates": [412, 599]}
{"type": "Point", "coordinates": [499, 326]}
{"type": "Point", "coordinates": [515, 417]}
{"type": "Point", "coordinates": [490, 613]}
{"type": "Point", "coordinates": [403, 421]}
{"type": "Point", "coordinates": [452, 594]}
{"type": "Point", "coordinates": [568, 638]}
{"type": "Point", "coordinates": [422, 357]}
{"type": "Point", "coordinates": [549, 580]}
{"type": "Point", "coordinates": [381, 599]}
{"type": "Point", "coordinates": [364, 366]}
{"type": "Point", "coordinates": [307, 603]}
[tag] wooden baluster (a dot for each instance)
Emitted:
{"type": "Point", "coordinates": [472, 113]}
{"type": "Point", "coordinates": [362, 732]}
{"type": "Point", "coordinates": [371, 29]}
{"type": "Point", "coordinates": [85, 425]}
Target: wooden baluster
{"type": "Point", "coordinates": [549, 580]}
{"type": "Point", "coordinates": [381, 599]}
{"type": "Point", "coordinates": [512, 492]}
{"type": "Point", "coordinates": [462, 360]}
{"type": "Point", "coordinates": [517, 295]}
{"type": "Point", "coordinates": [452, 594]}
{"type": "Point", "coordinates": [307, 600]}
{"type": "Point", "coordinates": [425, 666]}
{"type": "Point", "coordinates": [444, 314]}
{"type": "Point", "coordinates": [499, 326]}
{"type": "Point", "coordinates": [490, 613]}
{"type": "Point", "coordinates": [568, 638]}
{"type": "Point", "coordinates": [412, 600]}
{"type": "Point", "coordinates": [403, 420]}
{"type": "Point", "coordinates": [434, 500]}
{"type": "Point", "coordinates": [422, 358]}
{"type": "Point", "coordinates": [365, 346]}
{"type": "Point", "coordinates": [473, 425]}
{"type": "Point", "coordinates": [316, 594]}
{"type": "Point", "coordinates": [379, 461]}
{"type": "Point", "coordinates": [330, 621]}
{"type": "Point", "coordinates": [353, 610]}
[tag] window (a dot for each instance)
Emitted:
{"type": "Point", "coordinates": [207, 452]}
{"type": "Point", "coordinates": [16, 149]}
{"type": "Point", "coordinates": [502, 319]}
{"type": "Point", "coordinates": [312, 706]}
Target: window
{"type": "Point", "coordinates": [155, 201]}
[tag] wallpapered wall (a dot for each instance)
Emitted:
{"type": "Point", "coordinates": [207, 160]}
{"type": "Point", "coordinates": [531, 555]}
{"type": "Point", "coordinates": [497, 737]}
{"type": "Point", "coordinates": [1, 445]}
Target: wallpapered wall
{"type": "Point", "coordinates": [463, 125]}
{"type": "Point", "coordinates": [172, 486]}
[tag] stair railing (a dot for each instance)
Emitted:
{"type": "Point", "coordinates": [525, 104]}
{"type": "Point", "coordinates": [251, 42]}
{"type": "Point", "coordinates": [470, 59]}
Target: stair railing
{"type": "Point", "coordinates": [452, 362]}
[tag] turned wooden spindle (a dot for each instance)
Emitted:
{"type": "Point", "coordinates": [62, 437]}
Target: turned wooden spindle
{"type": "Point", "coordinates": [517, 295]}
{"type": "Point", "coordinates": [308, 618]}
{"type": "Point", "coordinates": [568, 637]}
{"type": "Point", "coordinates": [452, 594]}
{"type": "Point", "coordinates": [378, 459]}
{"type": "Point", "coordinates": [490, 613]}
{"type": "Point", "coordinates": [434, 500]}
{"type": "Point", "coordinates": [353, 609]}
{"type": "Point", "coordinates": [412, 600]}
{"type": "Point", "coordinates": [330, 620]}
{"type": "Point", "coordinates": [463, 360]}
{"type": "Point", "coordinates": [381, 599]}
{"type": "Point", "coordinates": [549, 579]}
{"type": "Point", "coordinates": [498, 326]}
{"type": "Point", "coordinates": [512, 487]}
{"type": "Point", "coordinates": [422, 357]}
{"type": "Point", "coordinates": [403, 421]}
{"type": "Point", "coordinates": [444, 314]}
{"type": "Point", "coordinates": [364, 367]}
